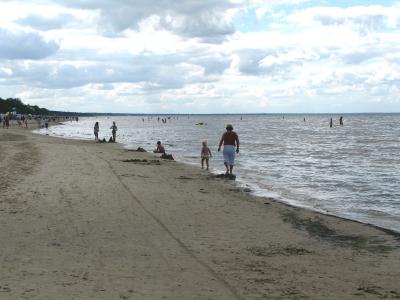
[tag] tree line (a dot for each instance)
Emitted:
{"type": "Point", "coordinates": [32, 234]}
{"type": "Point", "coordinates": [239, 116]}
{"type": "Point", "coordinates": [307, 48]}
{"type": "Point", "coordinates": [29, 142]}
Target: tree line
{"type": "Point", "coordinates": [9, 104]}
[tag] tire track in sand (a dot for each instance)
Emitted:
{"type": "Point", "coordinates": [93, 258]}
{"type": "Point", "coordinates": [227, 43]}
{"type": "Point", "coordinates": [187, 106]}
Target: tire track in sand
{"type": "Point", "coordinates": [225, 284]}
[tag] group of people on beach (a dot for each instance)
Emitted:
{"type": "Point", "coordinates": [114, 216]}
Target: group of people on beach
{"type": "Point", "coordinates": [113, 128]}
{"type": "Point", "coordinates": [5, 119]}
{"type": "Point", "coordinates": [229, 140]}
{"type": "Point", "coordinates": [25, 120]}
{"type": "Point", "coordinates": [8, 117]}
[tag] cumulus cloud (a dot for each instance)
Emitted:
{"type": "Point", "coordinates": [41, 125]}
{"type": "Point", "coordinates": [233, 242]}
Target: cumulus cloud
{"type": "Point", "coordinates": [206, 19]}
{"type": "Point", "coordinates": [25, 45]}
{"type": "Point", "coordinates": [152, 73]}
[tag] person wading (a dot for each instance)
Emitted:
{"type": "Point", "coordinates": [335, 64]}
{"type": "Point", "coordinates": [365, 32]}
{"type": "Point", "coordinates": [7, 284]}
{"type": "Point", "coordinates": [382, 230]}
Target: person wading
{"type": "Point", "coordinates": [230, 140]}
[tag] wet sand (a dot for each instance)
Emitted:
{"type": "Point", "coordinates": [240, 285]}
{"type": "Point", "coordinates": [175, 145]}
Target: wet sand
{"type": "Point", "coordinates": [81, 220]}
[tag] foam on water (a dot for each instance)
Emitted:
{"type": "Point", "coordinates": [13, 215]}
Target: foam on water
{"type": "Point", "coordinates": [351, 171]}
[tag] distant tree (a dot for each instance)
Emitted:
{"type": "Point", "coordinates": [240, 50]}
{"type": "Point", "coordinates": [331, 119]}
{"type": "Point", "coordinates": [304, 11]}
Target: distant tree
{"type": "Point", "coordinates": [7, 105]}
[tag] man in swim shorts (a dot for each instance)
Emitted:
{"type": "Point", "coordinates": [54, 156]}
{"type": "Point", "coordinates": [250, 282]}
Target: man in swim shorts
{"type": "Point", "coordinates": [230, 140]}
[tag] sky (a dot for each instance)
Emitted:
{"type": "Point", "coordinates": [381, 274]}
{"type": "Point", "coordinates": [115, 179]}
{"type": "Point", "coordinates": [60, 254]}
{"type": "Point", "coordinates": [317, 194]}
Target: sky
{"type": "Point", "coordinates": [202, 56]}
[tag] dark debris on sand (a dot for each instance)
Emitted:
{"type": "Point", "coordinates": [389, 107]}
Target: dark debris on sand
{"type": "Point", "coordinates": [139, 149]}
{"type": "Point", "coordinates": [225, 176]}
{"type": "Point", "coordinates": [105, 141]}
{"type": "Point", "coordinates": [167, 156]}
{"type": "Point", "coordinates": [143, 161]}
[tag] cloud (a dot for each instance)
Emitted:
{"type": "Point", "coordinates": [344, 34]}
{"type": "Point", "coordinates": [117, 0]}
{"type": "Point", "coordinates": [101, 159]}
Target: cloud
{"type": "Point", "coordinates": [361, 55]}
{"type": "Point", "coordinates": [150, 73]}
{"type": "Point", "coordinates": [249, 60]}
{"type": "Point", "coordinates": [40, 22]}
{"type": "Point", "coordinates": [207, 19]}
{"type": "Point", "coordinates": [274, 61]}
{"type": "Point", "coordinates": [25, 45]}
{"type": "Point", "coordinates": [289, 55]}
{"type": "Point", "coordinates": [364, 19]}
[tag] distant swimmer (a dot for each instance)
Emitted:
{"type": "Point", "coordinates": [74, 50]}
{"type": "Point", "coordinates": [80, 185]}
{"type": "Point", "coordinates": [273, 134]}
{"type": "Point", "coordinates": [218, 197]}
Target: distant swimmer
{"type": "Point", "coordinates": [341, 120]}
{"type": "Point", "coordinates": [230, 140]}
{"type": "Point", "coordinates": [331, 123]}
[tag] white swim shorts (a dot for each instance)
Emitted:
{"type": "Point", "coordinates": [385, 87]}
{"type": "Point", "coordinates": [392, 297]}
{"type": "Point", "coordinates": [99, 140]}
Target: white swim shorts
{"type": "Point", "coordinates": [229, 154]}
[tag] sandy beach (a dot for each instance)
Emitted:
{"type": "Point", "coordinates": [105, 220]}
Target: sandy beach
{"type": "Point", "coordinates": [81, 220]}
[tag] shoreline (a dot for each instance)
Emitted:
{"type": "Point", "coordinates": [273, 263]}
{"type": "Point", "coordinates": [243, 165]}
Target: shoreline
{"type": "Point", "coordinates": [242, 184]}
{"type": "Point", "coordinates": [86, 220]}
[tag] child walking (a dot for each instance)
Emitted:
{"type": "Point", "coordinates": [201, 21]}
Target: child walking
{"type": "Point", "coordinates": [205, 155]}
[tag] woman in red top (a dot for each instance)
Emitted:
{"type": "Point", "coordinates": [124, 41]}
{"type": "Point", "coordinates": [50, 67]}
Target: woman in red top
{"type": "Point", "coordinates": [230, 140]}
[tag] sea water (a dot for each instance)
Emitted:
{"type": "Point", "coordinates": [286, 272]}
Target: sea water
{"type": "Point", "coordinates": [352, 171]}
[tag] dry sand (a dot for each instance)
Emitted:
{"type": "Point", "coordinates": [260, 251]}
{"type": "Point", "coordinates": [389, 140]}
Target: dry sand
{"type": "Point", "coordinates": [79, 222]}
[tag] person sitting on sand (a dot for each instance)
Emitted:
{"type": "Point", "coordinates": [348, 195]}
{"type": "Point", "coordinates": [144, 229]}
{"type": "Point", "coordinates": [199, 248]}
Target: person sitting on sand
{"type": "Point", "coordinates": [205, 155]}
{"type": "Point", "coordinates": [160, 148]}
{"type": "Point", "coordinates": [114, 131]}
{"type": "Point", "coordinates": [230, 140]}
{"type": "Point", "coordinates": [96, 131]}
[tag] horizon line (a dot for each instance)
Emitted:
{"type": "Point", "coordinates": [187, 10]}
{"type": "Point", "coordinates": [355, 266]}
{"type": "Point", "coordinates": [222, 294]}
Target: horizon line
{"type": "Point", "coordinates": [263, 113]}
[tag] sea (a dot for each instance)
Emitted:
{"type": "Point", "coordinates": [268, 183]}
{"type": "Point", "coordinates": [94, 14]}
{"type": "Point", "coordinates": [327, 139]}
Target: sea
{"type": "Point", "coordinates": [350, 170]}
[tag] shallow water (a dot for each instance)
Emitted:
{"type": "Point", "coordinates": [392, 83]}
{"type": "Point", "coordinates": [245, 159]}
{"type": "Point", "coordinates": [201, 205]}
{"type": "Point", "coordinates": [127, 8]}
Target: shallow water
{"type": "Point", "coordinates": [352, 171]}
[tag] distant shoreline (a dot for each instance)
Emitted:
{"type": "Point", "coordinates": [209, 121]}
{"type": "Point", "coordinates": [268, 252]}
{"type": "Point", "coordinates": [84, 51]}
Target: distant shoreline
{"type": "Point", "coordinates": [225, 114]}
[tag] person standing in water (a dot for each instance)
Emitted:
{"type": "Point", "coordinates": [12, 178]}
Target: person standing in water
{"type": "Point", "coordinates": [205, 155]}
{"type": "Point", "coordinates": [96, 131]}
{"type": "Point", "coordinates": [46, 122]}
{"type": "Point", "coordinates": [114, 129]}
{"type": "Point", "coordinates": [341, 120]}
{"type": "Point", "coordinates": [230, 140]}
{"type": "Point", "coordinates": [331, 123]}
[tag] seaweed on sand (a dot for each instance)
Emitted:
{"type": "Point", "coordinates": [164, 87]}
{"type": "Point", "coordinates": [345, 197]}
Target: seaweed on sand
{"type": "Point", "coordinates": [317, 229]}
